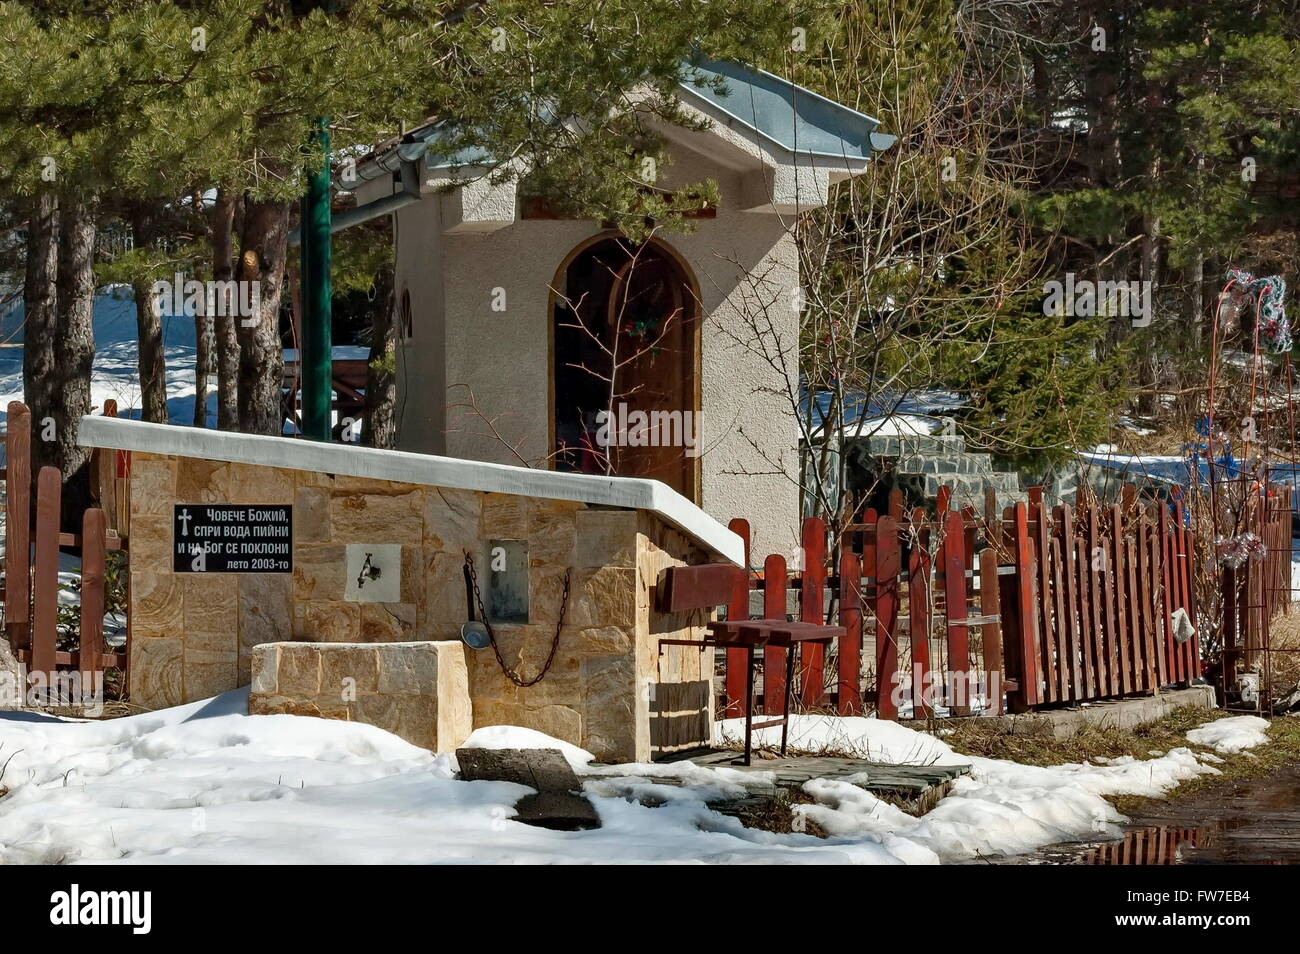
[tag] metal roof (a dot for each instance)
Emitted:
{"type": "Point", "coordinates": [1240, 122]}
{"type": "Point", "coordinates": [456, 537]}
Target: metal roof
{"type": "Point", "coordinates": [797, 120]}
{"type": "Point", "coordinates": [783, 114]}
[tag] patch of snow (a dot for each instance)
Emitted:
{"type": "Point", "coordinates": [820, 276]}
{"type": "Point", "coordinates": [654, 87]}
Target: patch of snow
{"type": "Point", "coordinates": [878, 740]}
{"type": "Point", "coordinates": [1230, 735]}
{"type": "Point", "coordinates": [518, 737]}
{"type": "Point", "coordinates": [204, 783]}
{"type": "Point", "coordinates": [116, 371]}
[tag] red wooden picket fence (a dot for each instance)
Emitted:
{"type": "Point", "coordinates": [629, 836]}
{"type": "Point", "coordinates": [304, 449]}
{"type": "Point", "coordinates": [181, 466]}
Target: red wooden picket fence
{"type": "Point", "coordinates": [1047, 605]}
{"type": "Point", "coordinates": [33, 541]}
{"type": "Point", "coordinates": [1257, 591]}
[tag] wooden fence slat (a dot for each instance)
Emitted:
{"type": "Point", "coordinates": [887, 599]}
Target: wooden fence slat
{"type": "Point", "coordinates": [1163, 633]}
{"type": "Point", "coordinates": [990, 605]}
{"type": "Point", "coordinates": [811, 609]}
{"type": "Point", "coordinates": [1134, 651]}
{"type": "Point", "coordinates": [49, 490]}
{"type": "Point", "coordinates": [992, 521]}
{"type": "Point", "coordinates": [1046, 617]}
{"type": "Point", "coordinates": [1147, 573]}
{"type": "Point", "coordinates": [896, 503]}
{"type": "Point", "coordinates": [919, 615]}
{"type": "Point", "coordinates": [849, 684]}
{"type": "Point", "coordinates": [1190, 657]}
{"type": "Point", "coordinates": [1169, 580]}
{"type": "Point", "coordinates": [94, 529]}
{"type": "Point", "coordinates": [774, 607]}
{"type": "Point", "coordinates": [1168, 661]}
{"type": "Point", "coordinates": [1097, 585]}
{"type": "Point", "coordinates": [1119, 576]}
{"type": "Point", "coordinates": [738, 608]}
{"type": "Point", "coordinates": [885, 608]}
{"type": "Point", "coordinates": [955, 599]}
{"type": "Point", "coordinates": [1029, 676]}
{"type": "Point", "coordinates": [969, 524]}
{"type": "Point", "coordinates": [18, 525]}
{"type": "Point", "coordinates": [1141, 646]}
{"type": "Point", "coordinates": [1087, 621]}
{"type": "Point", "coordinates": [1070, 601]}
{"type": "Point", "coordinates": [1113, 594]}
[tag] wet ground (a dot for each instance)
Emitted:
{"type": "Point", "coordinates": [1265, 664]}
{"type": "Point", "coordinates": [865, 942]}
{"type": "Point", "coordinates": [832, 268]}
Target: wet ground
{"type": "Point", "coordinates": [1252, 822]}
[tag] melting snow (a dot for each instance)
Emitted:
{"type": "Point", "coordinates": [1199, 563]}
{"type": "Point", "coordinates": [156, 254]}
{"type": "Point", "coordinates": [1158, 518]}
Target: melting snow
{"type": "Point", "coordinates": [204, 783]}
{"type": "Point", "coordinates": [1234, 734]}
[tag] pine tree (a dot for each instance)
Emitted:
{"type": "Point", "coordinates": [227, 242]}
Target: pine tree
{"type": "Point", "coordinates": [160, 100]}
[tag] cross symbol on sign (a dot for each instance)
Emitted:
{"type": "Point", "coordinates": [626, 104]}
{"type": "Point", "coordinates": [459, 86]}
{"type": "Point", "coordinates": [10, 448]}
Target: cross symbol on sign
{"type": "Point", "coordinates": [185, 522]}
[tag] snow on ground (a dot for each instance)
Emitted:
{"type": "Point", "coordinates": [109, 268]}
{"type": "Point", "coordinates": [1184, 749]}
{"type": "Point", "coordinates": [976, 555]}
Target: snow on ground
{"type": "Point", "coordinates": [116, 372]}
{"type": "Point", "coordinates": [204, 783]}
{"type": "Point", "coordinates": [1235, 734]}
{"type": "Point", "coordinates": [873, 739]}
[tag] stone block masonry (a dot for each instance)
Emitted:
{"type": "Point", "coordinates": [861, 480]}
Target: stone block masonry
{"type": "Point", "coordinates": [416, 690]}
{"type": "Point", "coordinates": [195, 634]}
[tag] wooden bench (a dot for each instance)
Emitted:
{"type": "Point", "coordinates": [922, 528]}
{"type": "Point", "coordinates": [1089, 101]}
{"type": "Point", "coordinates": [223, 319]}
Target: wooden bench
{"type": "Point", "coordinates": [686, 588]}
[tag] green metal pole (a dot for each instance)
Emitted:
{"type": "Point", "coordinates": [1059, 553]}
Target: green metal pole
{"type": "Point", "coordinates": [315, 357]}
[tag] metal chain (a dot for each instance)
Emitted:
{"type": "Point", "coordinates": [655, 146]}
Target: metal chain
{"type": "Point", "coordinates": [512, 674]}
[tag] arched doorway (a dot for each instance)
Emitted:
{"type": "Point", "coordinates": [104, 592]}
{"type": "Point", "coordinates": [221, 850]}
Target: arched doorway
{"type": "Point", "coordinates": [625, 325]}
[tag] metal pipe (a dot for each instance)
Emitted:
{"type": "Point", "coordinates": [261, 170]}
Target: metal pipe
{"type": "Point", "coordinates": [316, 366]}
{"type": "Point", "coordinates": [373, 210]}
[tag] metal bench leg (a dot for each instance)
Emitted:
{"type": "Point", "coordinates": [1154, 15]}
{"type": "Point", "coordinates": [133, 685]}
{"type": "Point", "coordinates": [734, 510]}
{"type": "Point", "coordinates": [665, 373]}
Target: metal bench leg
{"type": "Point", "coordinates": [749, 704]}
{"type": "Point", "coordinates": [785, 710]}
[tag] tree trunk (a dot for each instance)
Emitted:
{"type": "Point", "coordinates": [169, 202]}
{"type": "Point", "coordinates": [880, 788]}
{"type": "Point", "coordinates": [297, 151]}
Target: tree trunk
{"type": "Point", "coordinates": [204, 347]}
{"type": "Point", "coordinates": [381, 370]}
{"type": "Point", "coordinates": [74, 350]}
{"type": "Point", "coordinates": [40, 322]}
{"type": "Point", "coordinates": [152, 357]}
{"type": "Point", "coordinates": [1148, 404]}
{"type": "Point", "coordinates": [225, 340]}
{"type": "Point", "coordinates": [263, 246]}
{"type": "Point", "coordinates": [1042, 84]}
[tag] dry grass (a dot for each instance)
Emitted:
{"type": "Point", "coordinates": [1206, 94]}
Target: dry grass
{"type": "Point", "coordinates": [1284, 667]}
{"type": "Point", "coordinates": [992, 740]}
{"type": "Point", "coordinates": [1169, 439]}
{"type": "Point", "coordinates": [976, 737]}
{"type": "Point", "coordinates": [777, 814]}
{"type": "Point", "coordinates": [1282, 751]}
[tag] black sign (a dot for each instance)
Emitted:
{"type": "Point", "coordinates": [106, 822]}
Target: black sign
{"type": "Point", "coordinates": [225, 538]}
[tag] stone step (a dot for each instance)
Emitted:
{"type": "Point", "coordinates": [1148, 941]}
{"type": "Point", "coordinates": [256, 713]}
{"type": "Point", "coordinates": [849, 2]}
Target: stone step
{"type": "Point", "coordinates": [912, 444]}
{"type": "Point", "coordinates": [945, 464]}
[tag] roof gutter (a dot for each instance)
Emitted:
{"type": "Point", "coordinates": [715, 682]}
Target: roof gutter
{"type": "Point", "coordinates": [410, 179]}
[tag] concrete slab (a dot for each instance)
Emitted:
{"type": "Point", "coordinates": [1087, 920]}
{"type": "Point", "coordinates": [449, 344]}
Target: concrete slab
{"type": "Point", "coordinates": [1113, 714]}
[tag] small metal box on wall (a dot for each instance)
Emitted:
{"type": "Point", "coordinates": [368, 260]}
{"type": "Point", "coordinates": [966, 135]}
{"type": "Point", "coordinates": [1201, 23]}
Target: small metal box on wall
{"type": "Point", "coordinates": [507, 596]}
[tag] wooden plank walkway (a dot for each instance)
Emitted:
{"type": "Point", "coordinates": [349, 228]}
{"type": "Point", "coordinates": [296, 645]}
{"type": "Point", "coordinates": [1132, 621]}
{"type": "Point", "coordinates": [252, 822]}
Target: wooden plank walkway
{"type": "Point", "coordinates": [920, 786]}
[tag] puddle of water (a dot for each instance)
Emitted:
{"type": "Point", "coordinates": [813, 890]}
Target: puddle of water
{"type": "Point", "coordinates": [1170, 845]}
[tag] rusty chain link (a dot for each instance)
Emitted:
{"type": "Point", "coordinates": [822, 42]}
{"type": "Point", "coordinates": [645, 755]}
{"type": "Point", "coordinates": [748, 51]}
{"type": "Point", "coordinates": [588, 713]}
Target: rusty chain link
{"type": "Point", "coordinates": [512, 674]}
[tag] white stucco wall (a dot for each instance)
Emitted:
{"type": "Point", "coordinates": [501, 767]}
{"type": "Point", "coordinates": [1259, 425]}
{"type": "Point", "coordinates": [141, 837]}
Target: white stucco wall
{"type": "Point", "coordinates": [746, 268]}
{"type": "Point", "coordinates": [421, 370]}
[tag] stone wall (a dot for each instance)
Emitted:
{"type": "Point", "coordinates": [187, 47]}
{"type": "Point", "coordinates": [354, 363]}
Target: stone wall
{"type": "Point", "coordinates": [416, 690]}
{"type": "Point", "coordinates": [193, 635]}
